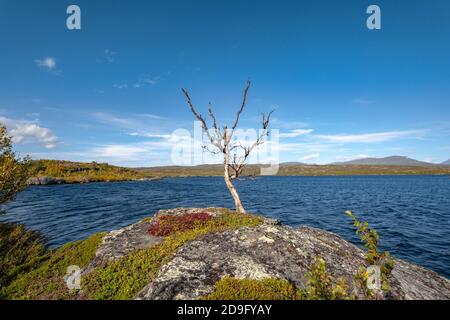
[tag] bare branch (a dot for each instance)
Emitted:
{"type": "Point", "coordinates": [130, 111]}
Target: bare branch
{"type": "Point", "coordinates": [244, 99]}
{"type": "Point", "coordinates": [216, 128]}
{"type": "Point", "coordinates": [238, 164]}
{"type": "Point", "coordinates": [201, 119]}
{"type": "Point", "coordinates": [265, 121]}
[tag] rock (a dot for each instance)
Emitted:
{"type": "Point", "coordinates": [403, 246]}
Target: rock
{"type": "Point", "coordinates": [269, 250]}
{"type": "Point", "coordinates": [279, 252]}
{"type": "Point", "coordinates": [118, 243]}
{"type": "Point", "coordinates": [213, 212]}
{"type": "Point", "coordinates": [45, 181]}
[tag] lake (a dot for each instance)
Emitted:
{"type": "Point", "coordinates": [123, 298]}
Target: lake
{"type": "Point", "coordinates": [410, 213]}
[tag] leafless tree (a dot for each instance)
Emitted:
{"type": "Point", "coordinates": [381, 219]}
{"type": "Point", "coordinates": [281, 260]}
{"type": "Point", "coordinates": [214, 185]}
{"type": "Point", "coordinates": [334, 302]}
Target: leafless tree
{"type": "Point", "coordinates": [221, 141]}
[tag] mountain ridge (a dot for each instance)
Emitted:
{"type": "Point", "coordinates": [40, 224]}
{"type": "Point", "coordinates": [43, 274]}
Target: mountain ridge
{"type": "Point", "coordinates": [391, 160]}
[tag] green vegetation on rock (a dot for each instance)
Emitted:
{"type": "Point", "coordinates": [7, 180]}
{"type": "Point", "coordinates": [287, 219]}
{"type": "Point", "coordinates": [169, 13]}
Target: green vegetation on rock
{"type": "Point", "coordinates": [248, 289]}
{"type": "Point", "coordinates": [125, 277]}
{"type": "Point", "coordinates": [320, 286]}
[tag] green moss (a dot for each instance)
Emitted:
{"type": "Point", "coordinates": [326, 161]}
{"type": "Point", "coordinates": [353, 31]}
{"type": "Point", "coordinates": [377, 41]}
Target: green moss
{"type": "Point", "coordinates": [46, 281]}
{"type": "Point", "coordinates": [249, 289]}
{"type": "Point", "coordinates": [123, 278]}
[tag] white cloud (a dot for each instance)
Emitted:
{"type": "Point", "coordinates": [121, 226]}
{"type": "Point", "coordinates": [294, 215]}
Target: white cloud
{"type": "Point", "coordinates": [295, 133]}
{"type": "Point", "coordinates": [372, 137]}
{"type": "Point", "coordinates": [120, 86]}
{"type": "Point", "coordinates": [120, 151]}
{"type": "Point", "coordinates": [311, 156]}
{"type": "Point", "coordinates": [145, 81]}
{"type": "Point", "coordinates": [48, 62]}
{"type": "Point", "coordinates": [149, 135]}
{"type": "Point", "coordinates": [355, 157]}
{"type": "Point", "coordinates": [23, 130]}
{"type": "Point", "coordinates": [431, 160]}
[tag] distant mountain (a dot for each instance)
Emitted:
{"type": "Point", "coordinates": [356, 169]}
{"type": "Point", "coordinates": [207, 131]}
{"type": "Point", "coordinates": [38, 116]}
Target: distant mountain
{"type": "Point", "coordinates": [393, 160]}
{"type": "Point", "coordinates": [446, 162]}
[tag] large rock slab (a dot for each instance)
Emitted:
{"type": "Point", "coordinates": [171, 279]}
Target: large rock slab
{"type": "Point", "coordinates": [119, 243]}
{"type": "Point", "coordinates": [44, 181]}
{"type": "Point", "coordinates": [278, 252]}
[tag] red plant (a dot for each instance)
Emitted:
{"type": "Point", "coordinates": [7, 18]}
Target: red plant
{"type": "Point", "coordinates": [166, 225]}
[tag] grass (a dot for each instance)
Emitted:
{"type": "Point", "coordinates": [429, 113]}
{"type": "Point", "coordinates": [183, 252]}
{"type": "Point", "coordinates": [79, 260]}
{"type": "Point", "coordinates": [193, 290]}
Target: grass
{"type": "Point", "coordinates": [79, 172]}
{"type": "Point", "coordinates": [298, 170]}
{"type": "Point", "coordinates": [20, 250]}
{"type": "Point", "coordinates": [125, 277]}
{"type": "Point", "coordinates": [46, 281]}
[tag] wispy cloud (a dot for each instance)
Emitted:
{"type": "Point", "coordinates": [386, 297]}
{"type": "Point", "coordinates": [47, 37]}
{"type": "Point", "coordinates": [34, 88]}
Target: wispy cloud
{"type": "Point", "coordinates": [145, 125]}
{"type": "Point", "coordinates": [353, 157]}
{"type": "Point", "coordinates": [120, 86]}
{"type": "Point", "coordinates": [295, 133]}
{"type": "Point", "coordinates": [140, 83]}
{"type": "Point", "coordinates": [311, 156]}
{"type": "Point", "coordinates": [23, 130]}
{"type": "Point", "coordinates": [372, 137]}
{"type": "Point", "coordinates": [363, 102]}
{"type": "Point", "coordinates": [278, 123]}
{"type": "Point", "coordinates": [109, 55]}
{"type": "Point", "coordinates": [145, 81]}
{"type": "Point", "coordinates": [149, 135]}
{"type": "Point", "coordinates": [48, 63]}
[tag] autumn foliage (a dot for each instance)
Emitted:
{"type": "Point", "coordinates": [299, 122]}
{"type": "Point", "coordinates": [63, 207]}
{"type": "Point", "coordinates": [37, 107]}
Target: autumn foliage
{"type": "Point", "coordinates": [167, 225]}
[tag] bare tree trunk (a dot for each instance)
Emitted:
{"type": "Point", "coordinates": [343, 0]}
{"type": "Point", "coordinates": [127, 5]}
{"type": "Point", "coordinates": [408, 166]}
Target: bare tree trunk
{"type": "Point", "coordinates": [222, 141]}
{"type": "Point", "coordinates": [234, 194]}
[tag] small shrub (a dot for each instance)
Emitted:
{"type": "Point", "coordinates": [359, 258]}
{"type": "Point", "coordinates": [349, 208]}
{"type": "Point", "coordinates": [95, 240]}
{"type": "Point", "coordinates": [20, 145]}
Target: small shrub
{"type": "Point", "coordinates": [384, 260]}
{"type": "Point", "coordinates": [166, 225]}
{"type": "Point", "coordinates": [322, 286]}
{"type": "Point", "coordinates": [248, 289]}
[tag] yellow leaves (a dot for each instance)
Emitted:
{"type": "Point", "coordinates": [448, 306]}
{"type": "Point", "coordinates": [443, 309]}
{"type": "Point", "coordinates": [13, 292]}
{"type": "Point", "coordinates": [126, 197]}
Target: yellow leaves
{"type": "Point", "coordinates": [14, 171]}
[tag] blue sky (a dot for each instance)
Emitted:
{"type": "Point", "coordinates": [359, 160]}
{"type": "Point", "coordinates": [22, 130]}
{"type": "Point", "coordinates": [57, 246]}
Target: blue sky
{"type": "Point", "coordinates": [110, 92]}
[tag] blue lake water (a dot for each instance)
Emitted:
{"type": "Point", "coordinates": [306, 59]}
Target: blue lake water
{"type": "Point", "coordinates": [411, 213]}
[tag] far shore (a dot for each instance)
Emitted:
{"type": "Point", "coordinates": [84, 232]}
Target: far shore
{"type": "Point", "coordinates": [252, 171]}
